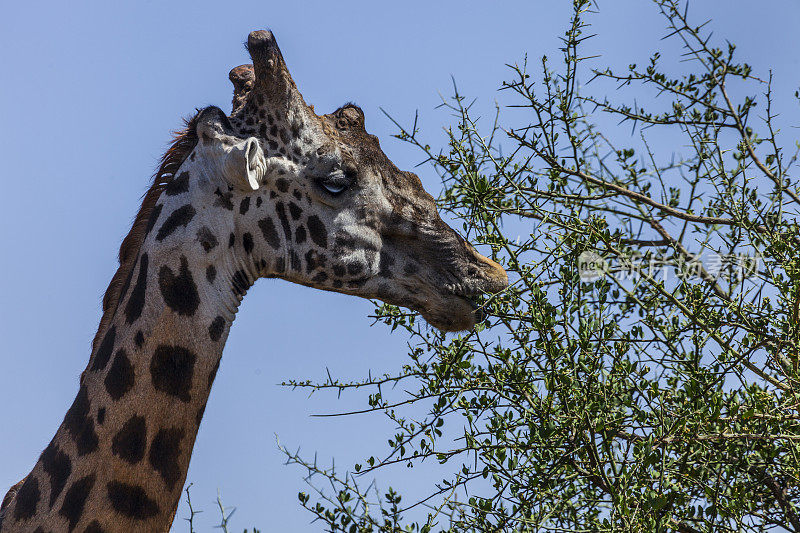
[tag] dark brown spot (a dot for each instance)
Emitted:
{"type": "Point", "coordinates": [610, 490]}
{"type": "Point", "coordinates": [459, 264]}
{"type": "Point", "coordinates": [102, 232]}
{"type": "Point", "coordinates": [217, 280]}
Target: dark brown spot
{"type": "Point", "coordinates": [281, 211]}
{"type": "Point", "coordinates": [207, 239]}
{"type": "Point", "coordinates": [314, 259]}
{"type": "Point", "coordinates": [247, 242]}
{"type": "Point", "coordinates": [27, 499]}
{"type": "Point", "coordinates": [80, 425]}
{"type": "Point", "coordinates": [130, 441]}
{"type": "Point", "coordinates": [105, 350]}
{"type": "Point", "coordinates": [172, 369]}
{"type": "Point", "coordinates": [269, 232]}
{"type": "Point", "coordinates": [120, 377]}
{"type": "Point", "coordinates": [177, 219]}
{"type": "Point", "coordinates": [295, 211]}
{"type": "Point", "coordinates": [179, 292]}
{"type": "Point", "coordinates": [165, 453]}
{"type": "Point", "coordinates": [245, 205]}
{"type": "Point", "coordinates": [133, 309]}
{"type": "Point", "coordinates": [294, 261]}
{"type": "Point", "coordinates": [177, 185]}
{"type": "Point", "coordinates": [153, 218]}
{"type": "Point", "coordinates": [131, 501]}
{"type": "Point", "coordinates": [75, 500]}
{"type": "Point", "coordinates": [317, 231]}
{"type": "Point", "coordinates": [224, 199]}
{"type": "Point", "coordinates": [216, 328]}
{"type": "Point", "coordinates": [300, 234]}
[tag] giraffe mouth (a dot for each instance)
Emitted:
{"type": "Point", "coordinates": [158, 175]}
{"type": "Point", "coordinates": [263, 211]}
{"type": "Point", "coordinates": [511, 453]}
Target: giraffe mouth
{"type": "Point", "coordinates": [465, 301]}
{"type": "Point", "coordinates": [474, 298]}
{"type": "Point", "coordinates": [453, 309]}
{"type": "Point", "coordinates": [452, 313]}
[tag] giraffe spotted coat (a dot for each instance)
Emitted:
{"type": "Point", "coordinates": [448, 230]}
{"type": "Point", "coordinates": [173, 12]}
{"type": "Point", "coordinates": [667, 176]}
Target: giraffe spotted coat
{"type": "Point", "coordinates": [273, 190]}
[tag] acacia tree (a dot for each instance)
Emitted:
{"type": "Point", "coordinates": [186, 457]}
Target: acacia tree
{"type": "Point", "coordinates": [641, 371]}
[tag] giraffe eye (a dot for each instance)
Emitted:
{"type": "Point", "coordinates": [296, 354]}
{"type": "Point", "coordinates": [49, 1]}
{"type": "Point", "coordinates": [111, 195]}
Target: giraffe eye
{"type": "Point", "coordinates": [334, 188]}
{"type": "Point", "coordinates": [337, 182]}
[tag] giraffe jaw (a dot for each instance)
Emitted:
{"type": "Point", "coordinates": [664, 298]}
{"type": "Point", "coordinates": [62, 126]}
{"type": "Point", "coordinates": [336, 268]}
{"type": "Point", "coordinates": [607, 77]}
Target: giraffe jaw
{"type": "Point", "coordinates": [452, 313]}
{"type": "Point", "coordinates": [458, 308]}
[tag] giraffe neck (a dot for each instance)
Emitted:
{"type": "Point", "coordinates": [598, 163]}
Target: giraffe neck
{"type": "Point", "coordinates": [119, 460]}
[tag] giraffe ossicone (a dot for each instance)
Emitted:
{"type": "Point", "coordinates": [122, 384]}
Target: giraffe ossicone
{"type": "Point", "coordinates": [273, 190]}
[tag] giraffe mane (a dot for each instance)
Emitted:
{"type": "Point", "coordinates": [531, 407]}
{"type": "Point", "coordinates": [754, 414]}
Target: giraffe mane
{"type": "Point", "coordinates": [183, 142]}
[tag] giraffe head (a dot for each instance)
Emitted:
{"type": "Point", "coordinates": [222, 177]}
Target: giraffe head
{"type": "Point", "coordinates": [279, 191]}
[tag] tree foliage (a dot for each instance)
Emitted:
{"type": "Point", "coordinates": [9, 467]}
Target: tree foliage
{"type": "Point", "coordinates": [641, 372]}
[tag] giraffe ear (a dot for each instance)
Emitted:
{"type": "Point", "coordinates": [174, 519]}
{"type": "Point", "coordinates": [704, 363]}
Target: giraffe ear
{"type": "Point", "coordinates": [244, 165]}
{"type": "Point", "coordinates": [240, 161]}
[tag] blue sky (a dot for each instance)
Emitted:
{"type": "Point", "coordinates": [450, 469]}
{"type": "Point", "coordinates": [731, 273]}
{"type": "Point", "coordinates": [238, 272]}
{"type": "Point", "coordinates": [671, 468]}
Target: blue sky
{"type": "Point", "coordinates": [89, 95]}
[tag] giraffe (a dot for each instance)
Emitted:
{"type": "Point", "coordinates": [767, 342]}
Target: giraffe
{"type": "Point", "coordinates": [271, 191]}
